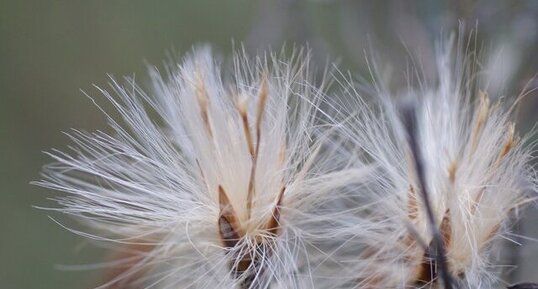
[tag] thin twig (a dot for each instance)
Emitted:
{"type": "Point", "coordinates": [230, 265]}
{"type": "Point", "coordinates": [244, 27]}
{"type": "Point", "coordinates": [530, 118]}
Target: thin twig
{"type": "Point", "coordinates": [409, 121]}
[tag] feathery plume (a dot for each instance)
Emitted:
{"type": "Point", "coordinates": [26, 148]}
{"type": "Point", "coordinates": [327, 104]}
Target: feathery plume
{"type": "Point", "coordinates": [215, 192]}
{"type": "Point", "coordinates": [449, 177]}
{"type": "Point", "coordinates": [254, 180]}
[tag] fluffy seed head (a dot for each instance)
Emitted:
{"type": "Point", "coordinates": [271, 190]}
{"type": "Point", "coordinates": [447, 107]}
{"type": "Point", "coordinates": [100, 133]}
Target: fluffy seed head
{"type": "Point", "coordinates": [254, 180]}
{"type": "Point", "coordinates": [213, 193]}
{"type": "Point", "coordinates": [476, 175]}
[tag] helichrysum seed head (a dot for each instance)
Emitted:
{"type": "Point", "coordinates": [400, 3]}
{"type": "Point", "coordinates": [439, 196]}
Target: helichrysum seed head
{"type": "Point", "coordinates": [217, 194]}
{"type": "Point", "coordinates": [255, 179]}
{"type": "Point", "coordinates": [476, 173]}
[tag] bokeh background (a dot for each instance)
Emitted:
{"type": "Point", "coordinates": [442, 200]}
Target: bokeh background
{"type": "Point", "coordinates": [51, 49]}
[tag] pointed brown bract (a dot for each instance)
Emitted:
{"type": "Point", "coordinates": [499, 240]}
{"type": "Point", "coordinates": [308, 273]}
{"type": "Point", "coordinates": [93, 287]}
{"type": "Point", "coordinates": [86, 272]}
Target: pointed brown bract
{"type": "Point", "coordinates": [425, 274]}
{"type": "Point", "coordinates": [427, 270]}
{"type": "Point", "coordinates": [507, 147]}
{"type": "Point", "coordinates": [247, 264]}
{"type": "Point", "coordinates": [412, 203]}
{"type": "Point", "coordinates": [262, 100]}
{"type": "Point", "coordinates": [494, 231]}
{"type": "Point", "coordinates": [509, 144]}
{"type": "Point", "coordinates": [203, 101]}
{"type": "Point", "coordinates": [229, 226]}
{"type": "Point", "coordinates": [242, 108]}
{"type": "Point", "coordinates": [274, 223]}
{"type": "Point", "coordinates": [446, 229]}
{"type": "Point", "coordinates": [480, 119]}
{"type": "Point", "coordinates": [230, 233]}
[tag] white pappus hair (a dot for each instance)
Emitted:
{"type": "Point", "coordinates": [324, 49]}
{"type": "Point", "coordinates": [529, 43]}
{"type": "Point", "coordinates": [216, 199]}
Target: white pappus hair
{"type": "Point", "coordinates": [258, 179]}
{"type": "Point", "coordinates": [217, 190]}
{"type": "Point", "coordinates": [473, 167]}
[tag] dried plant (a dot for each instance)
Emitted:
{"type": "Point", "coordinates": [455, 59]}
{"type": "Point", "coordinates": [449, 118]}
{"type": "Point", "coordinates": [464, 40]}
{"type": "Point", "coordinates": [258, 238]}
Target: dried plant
{"type": "Point", "coordinates": [219, 196]}
{"type": "Point", "coordinates": [451, 175]}
{"type": "Point", "coordinates": [258, 179]}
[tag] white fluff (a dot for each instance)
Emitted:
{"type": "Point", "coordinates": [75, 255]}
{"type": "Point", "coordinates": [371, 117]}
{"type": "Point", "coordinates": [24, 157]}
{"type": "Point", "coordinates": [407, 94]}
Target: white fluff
{"type": "Point", "coordinates": [154, 184]}
{"type": "Point", "coordinates": [257, 179]}
{"type": "Point", "coordinates": [477, 173]}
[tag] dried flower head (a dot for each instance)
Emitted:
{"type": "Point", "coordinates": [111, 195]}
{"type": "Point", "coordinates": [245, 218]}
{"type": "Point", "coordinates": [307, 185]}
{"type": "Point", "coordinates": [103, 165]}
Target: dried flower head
{"type": "Point", "coordinates": [216, 191]}
{"type": "Point", "coordinates": [453, 155]}
{"type": "Point", "coordinates": [256, 180]}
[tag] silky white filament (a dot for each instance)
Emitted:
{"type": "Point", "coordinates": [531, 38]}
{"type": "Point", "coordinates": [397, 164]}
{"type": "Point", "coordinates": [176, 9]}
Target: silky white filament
{"type": "Point", "coordinates": [476, 172]}
{"type": "Point", "coordinates": [260, 178]}
{"type": "Point", "coordinates": [219, 194]}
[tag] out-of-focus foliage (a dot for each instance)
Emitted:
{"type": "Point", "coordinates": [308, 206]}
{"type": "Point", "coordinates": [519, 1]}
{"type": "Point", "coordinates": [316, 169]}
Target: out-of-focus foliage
{"type": "Point", "coordinates": [51, 49]}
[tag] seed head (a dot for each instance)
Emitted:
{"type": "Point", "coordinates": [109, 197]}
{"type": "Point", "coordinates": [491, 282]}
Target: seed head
{"type": "Point", "coordinates": [455, 154]}
{"type": "Point", "coordinates": [214, 175]}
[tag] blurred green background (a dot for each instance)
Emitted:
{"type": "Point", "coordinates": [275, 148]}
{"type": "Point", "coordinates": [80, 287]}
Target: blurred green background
{"type": "Point", "coordinates": [49, 50]}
